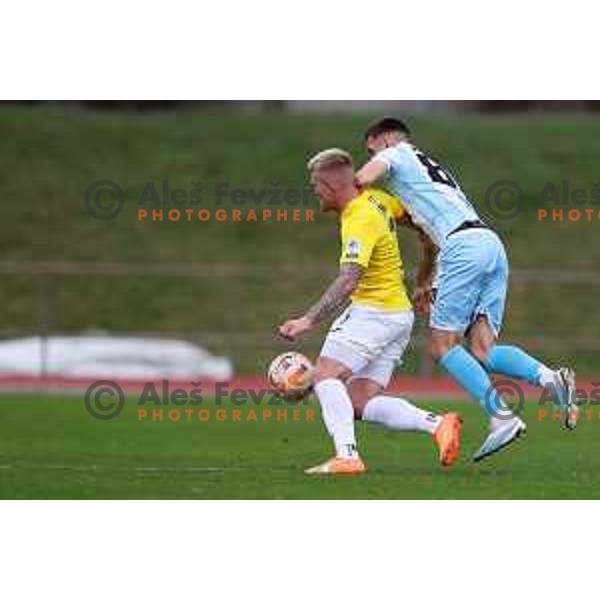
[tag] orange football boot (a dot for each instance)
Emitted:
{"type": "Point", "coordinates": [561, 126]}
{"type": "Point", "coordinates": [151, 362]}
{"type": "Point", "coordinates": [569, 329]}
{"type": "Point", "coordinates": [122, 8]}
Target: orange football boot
{"type": "Point", "coordinates": [339, 466]}
{"type": "Point", "coordinates": [447, 438]}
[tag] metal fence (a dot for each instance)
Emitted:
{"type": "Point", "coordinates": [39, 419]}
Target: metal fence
{"type": "Point", "coordinates": [227, 318]}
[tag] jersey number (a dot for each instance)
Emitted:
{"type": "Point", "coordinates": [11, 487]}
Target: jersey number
{"type": "Point", "coordinates": [436, 171]}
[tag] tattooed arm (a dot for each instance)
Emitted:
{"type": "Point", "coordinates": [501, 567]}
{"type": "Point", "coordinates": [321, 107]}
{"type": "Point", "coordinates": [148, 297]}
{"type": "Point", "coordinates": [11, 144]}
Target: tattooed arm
{"type": "Point", "coordinates": [336, 295]}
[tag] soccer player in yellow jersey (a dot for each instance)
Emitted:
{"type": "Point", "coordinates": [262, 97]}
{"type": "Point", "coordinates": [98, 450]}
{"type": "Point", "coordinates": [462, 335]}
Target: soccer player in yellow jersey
{"type": "Point", "coordinates": [368, 339]}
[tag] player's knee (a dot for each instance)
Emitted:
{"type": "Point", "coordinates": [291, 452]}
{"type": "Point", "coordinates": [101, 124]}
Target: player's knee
{"type": "Point", "coordinates": [440, 345]}
{"type": "Point", "coordinates": [481, 339]}
{"type": "Point", "coordinates": [330, 369]}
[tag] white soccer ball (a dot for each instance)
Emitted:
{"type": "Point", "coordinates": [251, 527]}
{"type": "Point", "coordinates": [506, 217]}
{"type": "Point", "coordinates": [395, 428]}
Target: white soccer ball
{"type": "Point", "coordinates": [289, 375]}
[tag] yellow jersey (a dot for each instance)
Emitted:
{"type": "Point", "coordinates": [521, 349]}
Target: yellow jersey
{"type": "Point", "coordinates": [368, 232]}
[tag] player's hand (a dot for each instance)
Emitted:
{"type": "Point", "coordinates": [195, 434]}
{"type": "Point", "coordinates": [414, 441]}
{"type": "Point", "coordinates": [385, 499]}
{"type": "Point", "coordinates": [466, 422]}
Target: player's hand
{"type": "Point", "coordinates": [293, 328]}
{"type": "Point", "coordinates": [422, 298]}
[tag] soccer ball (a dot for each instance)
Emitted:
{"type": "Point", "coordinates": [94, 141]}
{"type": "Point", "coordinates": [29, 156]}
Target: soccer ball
{"type": "Point", "coordinates": [289, 375]}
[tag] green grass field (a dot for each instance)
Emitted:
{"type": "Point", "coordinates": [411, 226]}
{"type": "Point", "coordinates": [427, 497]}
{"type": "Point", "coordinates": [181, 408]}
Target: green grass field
{"type": "Point", "coordinates": [50, 447]}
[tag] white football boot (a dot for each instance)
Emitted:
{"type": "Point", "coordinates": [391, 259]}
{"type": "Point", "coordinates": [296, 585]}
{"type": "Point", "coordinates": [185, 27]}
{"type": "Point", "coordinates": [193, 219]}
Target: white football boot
{"type": "Point", "coordinates": [566, 392]}
{"type": "Point", "coordinates": [502, 433]}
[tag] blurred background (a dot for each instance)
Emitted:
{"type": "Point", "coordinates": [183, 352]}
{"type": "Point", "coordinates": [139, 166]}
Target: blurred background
{"type": "Point", "coordinates": [225, 286]}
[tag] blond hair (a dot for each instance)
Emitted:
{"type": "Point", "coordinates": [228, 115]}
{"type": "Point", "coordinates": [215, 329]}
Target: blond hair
{"type": "Point", "coordinates": [330, 159]}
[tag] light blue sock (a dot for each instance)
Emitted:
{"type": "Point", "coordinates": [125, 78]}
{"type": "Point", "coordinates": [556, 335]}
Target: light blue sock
{"type": "Point", "coordinates": [514, 362]}
{"type": "Point", "coordinates": [469, 373]}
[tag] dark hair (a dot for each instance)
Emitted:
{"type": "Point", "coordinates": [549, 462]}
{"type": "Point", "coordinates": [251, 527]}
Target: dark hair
{"type": "Point", "coordinates": [386, 125]}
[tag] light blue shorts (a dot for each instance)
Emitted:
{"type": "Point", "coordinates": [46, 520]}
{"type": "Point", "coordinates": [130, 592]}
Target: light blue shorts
{"type": "Point", "coordinates": [472, 280]}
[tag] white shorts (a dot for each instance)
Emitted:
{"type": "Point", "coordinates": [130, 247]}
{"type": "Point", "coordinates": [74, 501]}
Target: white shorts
{"type": "Point", "coordinates": [369, 342]}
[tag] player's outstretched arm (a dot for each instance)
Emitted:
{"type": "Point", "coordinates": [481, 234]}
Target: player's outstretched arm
{"type": "Point", "coordinates": [336, 296]}
{"type": "Point", "coordinates": [370, 173]}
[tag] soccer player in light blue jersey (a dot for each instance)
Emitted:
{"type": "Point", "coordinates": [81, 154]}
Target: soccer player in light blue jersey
{"type": "Point", "coordinates": [470, 284]}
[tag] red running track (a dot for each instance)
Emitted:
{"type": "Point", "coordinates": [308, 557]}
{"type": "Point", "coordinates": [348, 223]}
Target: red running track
{"type": "Point", "coordinates": [409, 386]}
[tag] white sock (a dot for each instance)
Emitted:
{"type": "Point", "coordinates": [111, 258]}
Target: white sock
{"type": "Point", "coordinates": [397, 413]}
{"type": "Point", "coordinates": [547, 377]}
{"type": "Point", "coordinates": [338, 415]}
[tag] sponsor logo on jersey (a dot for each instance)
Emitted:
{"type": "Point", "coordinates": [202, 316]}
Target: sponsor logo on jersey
{"type": "Point", "coordinates": [352, 249]}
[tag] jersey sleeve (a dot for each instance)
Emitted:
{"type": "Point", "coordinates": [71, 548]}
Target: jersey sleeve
{"type": "Point", "coordinates": [359, 236]}
{"type": "Point", "coordinates": [389, 157]}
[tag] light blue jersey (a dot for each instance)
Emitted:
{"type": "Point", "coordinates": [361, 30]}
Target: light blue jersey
{"type": "Point", "coordinates": [429, 194]}
{"type": "Point", "coordinates": [472, 269]}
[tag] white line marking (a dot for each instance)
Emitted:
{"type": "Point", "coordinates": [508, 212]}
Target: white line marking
{"type": "Point", "coordinates": [166, 469]}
